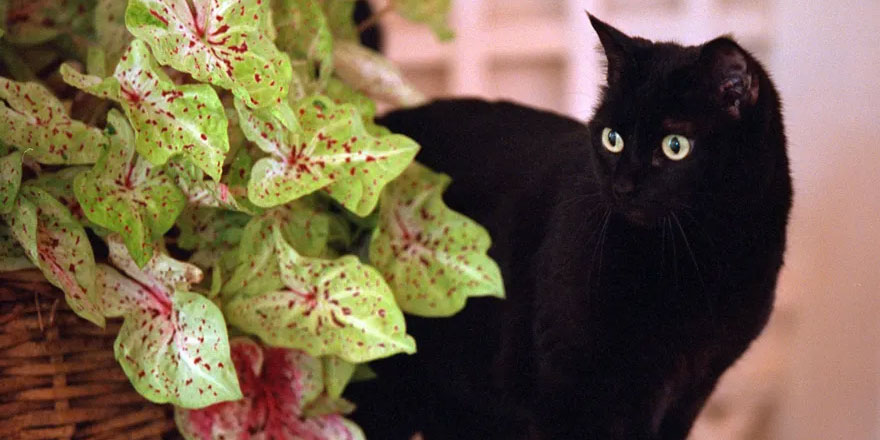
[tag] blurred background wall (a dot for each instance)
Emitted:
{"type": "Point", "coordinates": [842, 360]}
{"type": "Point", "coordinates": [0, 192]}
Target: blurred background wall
{"type": "Point", "coordinates": [815, 372]}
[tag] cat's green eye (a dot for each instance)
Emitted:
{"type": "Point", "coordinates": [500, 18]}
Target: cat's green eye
{"type": "Point", "coordinates": [676, 146]}
{"type": "Point", "coordinates": [612, 140]}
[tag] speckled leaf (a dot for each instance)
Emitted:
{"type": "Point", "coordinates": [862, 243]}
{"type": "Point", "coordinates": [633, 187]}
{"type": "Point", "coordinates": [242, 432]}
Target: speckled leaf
{"type": "Point", "coordinates": [32, 22]}
{"type": "Point", "coordinates": [60, 185]}
{"type": "Point", "coordinates": [304, 34]}
{"type": "Point", "coordinates": [326, 307]}
{"type": "Point", "coordinates": [276, 384]}
{"type": "Point", "coordinates": [433, 257]}
{"type": "Point", "coordinates": [210, 233]}
{"type": "Point", "coordinates": [342, 93]}
{"type": "Point", "coordinates": [12, 256]}
{"type": "Point", "coordinates": [10, 180]}
{"type": "Point", "coordinates": [368, 71]}
{"type": "Point", "coordinates": [56, 243]}
{"type": "Point", "coordinates": [303, 223]}
{"type": "Point", "coordinates": [34, 120]}
{"type": "Point", "coordinates": [337, 374]}
{"type": "Point", "coordinates": [325, 146]}
{"type": "Point", "coordinates": [160, 273]}
{"type": "Point", "coordinates": [434, 13]}
{"type": "Point", "coordinates": [168, 119]}
{"type": "Point", "coordinates": [217, 41]}
{"type": "Point", "coordinates": [110, 30]}
{"type": "Point", "coordinates": [236, 180]}
{"type": "Point", "coordinates": [173, 344]}
{"type": "Point", "coordinates": [200, 191]}
{"type": "Point", "coordinates": [127, 195]}
{"type": "Point", "coordinates": [179, 353]}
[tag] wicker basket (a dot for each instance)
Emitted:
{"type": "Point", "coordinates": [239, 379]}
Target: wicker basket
{"type": "Point", "coordinates": [58, 377]}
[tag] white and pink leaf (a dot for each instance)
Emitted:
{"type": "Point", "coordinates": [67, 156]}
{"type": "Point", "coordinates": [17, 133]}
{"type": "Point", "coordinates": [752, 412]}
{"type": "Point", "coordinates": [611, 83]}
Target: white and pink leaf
{"type": "Point", "coordinates": [433, 257]}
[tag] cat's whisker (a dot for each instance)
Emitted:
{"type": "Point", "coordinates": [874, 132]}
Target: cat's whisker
{"type": "Point", "coordinates": [674, 253]}
{"type": "Point", "coordinates": [579, 198]}
{"type": "Point", "coordinates": [709, 306]}
{"type": "Point", "coordinates": [600, 246]}
{"type": "Point", "coordinates": [663, 246]}
{"type": "Point", "coordinates": [700, 227]}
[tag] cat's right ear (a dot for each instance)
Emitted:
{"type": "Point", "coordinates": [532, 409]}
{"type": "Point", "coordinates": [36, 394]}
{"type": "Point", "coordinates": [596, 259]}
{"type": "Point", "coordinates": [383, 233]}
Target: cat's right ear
{"type": "Point", "coordinates": [618, 47]}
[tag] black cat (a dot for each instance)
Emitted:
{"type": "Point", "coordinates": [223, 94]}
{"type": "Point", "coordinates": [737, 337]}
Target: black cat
{"type": "Point", "coordinates": [640, 253]}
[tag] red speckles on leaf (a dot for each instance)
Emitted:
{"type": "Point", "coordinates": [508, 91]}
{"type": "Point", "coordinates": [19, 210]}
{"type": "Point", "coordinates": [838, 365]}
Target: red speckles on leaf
{"type": "Point", "coordinates": [159, 17]}
{"type": "Point", "coordinates": [222, 47]}
{"type": "Point", "coordinates": [434, 258]}
{"type": "Point", "coordinates": [321, 314]}
{"type": "Point", "coordinates": [277, 385]}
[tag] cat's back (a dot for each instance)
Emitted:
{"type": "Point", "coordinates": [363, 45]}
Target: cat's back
{"type": "Point", "coordinates": [492, 150]}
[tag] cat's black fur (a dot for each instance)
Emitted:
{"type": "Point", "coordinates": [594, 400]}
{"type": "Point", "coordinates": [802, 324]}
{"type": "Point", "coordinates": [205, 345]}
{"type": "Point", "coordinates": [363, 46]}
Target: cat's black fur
{"type": "Point", "coordinates": [633, 281]}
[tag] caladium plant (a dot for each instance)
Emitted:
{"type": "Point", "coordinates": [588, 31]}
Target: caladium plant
{"type": "Point", "coordinates": [223, 157]}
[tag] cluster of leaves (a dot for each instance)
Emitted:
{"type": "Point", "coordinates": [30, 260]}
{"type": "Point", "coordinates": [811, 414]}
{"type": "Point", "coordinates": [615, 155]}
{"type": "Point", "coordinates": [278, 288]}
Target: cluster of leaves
{"type": "Point", "coordinates": [238, 141]}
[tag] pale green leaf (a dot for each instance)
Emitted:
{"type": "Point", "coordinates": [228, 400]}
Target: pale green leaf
{"type": "Point", "coordinates": [160, 273]}
{"type": "Point", "coordinates": [110, 31]}
{"type": "Point", "coordinates": [217, 41]}
{"type": "Point", "coordinates": [12, 256]}
{"type": "Point", "coordinates": [178, 352]}
{"type": "Point", "coordinates": [10, 180]}
{"type": "Point", "coordinates": [236, 180]}
{"type": "Point", "coordinates": [342, 93]}
{"type": "Point", "coordinates": [96, 61]}
{"type": "Point", "coordinates": [433, 257]}
{"type": "Point", "coordinates": [303, 223]}
{"type": "Point", "coordinates": [323, 146]}
{"type": "Point", "coordinates": [337, 374]}
{"type": "Point", "coordinates": [173, 344]}
{"type": "Point", "coordinates": [126, 194]}
{"type": "Point", "coordinates": [304, 34]}
{"type": "Point", "coordinates": [34, 120]}
{"type": "Point", "coordinates": [60, 185]}
{"type": "Point", "coordinates": [368, 71]}
{"type": "Point", "coordinates": [56, 243]}
{"type": "Point", "coordinates": [434, 13]}
{"type": "Point", "coordinates": [210, 233]}
{"type": "Point", "coordinates": [325, 307]}
{"type": "Point", "coordinates": [200, 191]}
{"type": "Point", "coordinates": [120, 294]}
{"type": "Point", "coordinates": [168, 119]}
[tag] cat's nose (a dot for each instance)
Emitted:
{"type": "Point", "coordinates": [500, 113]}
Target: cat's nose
{"type": "Point", "coordinates": [623, 187]}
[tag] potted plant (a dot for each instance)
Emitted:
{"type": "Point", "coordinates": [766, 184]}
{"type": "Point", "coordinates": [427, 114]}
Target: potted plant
{"type": "Point", "coordinates": [205, 180]}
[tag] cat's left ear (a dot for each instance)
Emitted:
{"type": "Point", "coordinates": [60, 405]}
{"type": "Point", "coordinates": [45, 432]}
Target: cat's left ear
{"type": "Point", "coordinates": [617, 47]}
{"type": "Point", "coordinates": [732, 75]}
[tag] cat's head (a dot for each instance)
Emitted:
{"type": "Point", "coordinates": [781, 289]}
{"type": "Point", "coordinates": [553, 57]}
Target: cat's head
{"type": "Point", "coordinates": [677, 123]}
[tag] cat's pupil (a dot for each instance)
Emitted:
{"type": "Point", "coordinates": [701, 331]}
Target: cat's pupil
{"type": "Point", "coordinates": [612, 137]}
{"type": "Point", "coordinates": [674, 145]}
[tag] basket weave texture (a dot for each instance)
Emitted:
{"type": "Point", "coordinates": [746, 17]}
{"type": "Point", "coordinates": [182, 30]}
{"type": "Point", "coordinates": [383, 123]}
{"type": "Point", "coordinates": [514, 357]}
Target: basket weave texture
{"type": "Point", "coordinates": [58, 376]}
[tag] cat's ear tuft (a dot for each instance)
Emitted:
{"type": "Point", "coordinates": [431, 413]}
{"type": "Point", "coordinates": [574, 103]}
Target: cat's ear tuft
{"type": "Point", "coordinates": [733, 79]}
{"type": "Point", "coordinates": [617, 47]}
